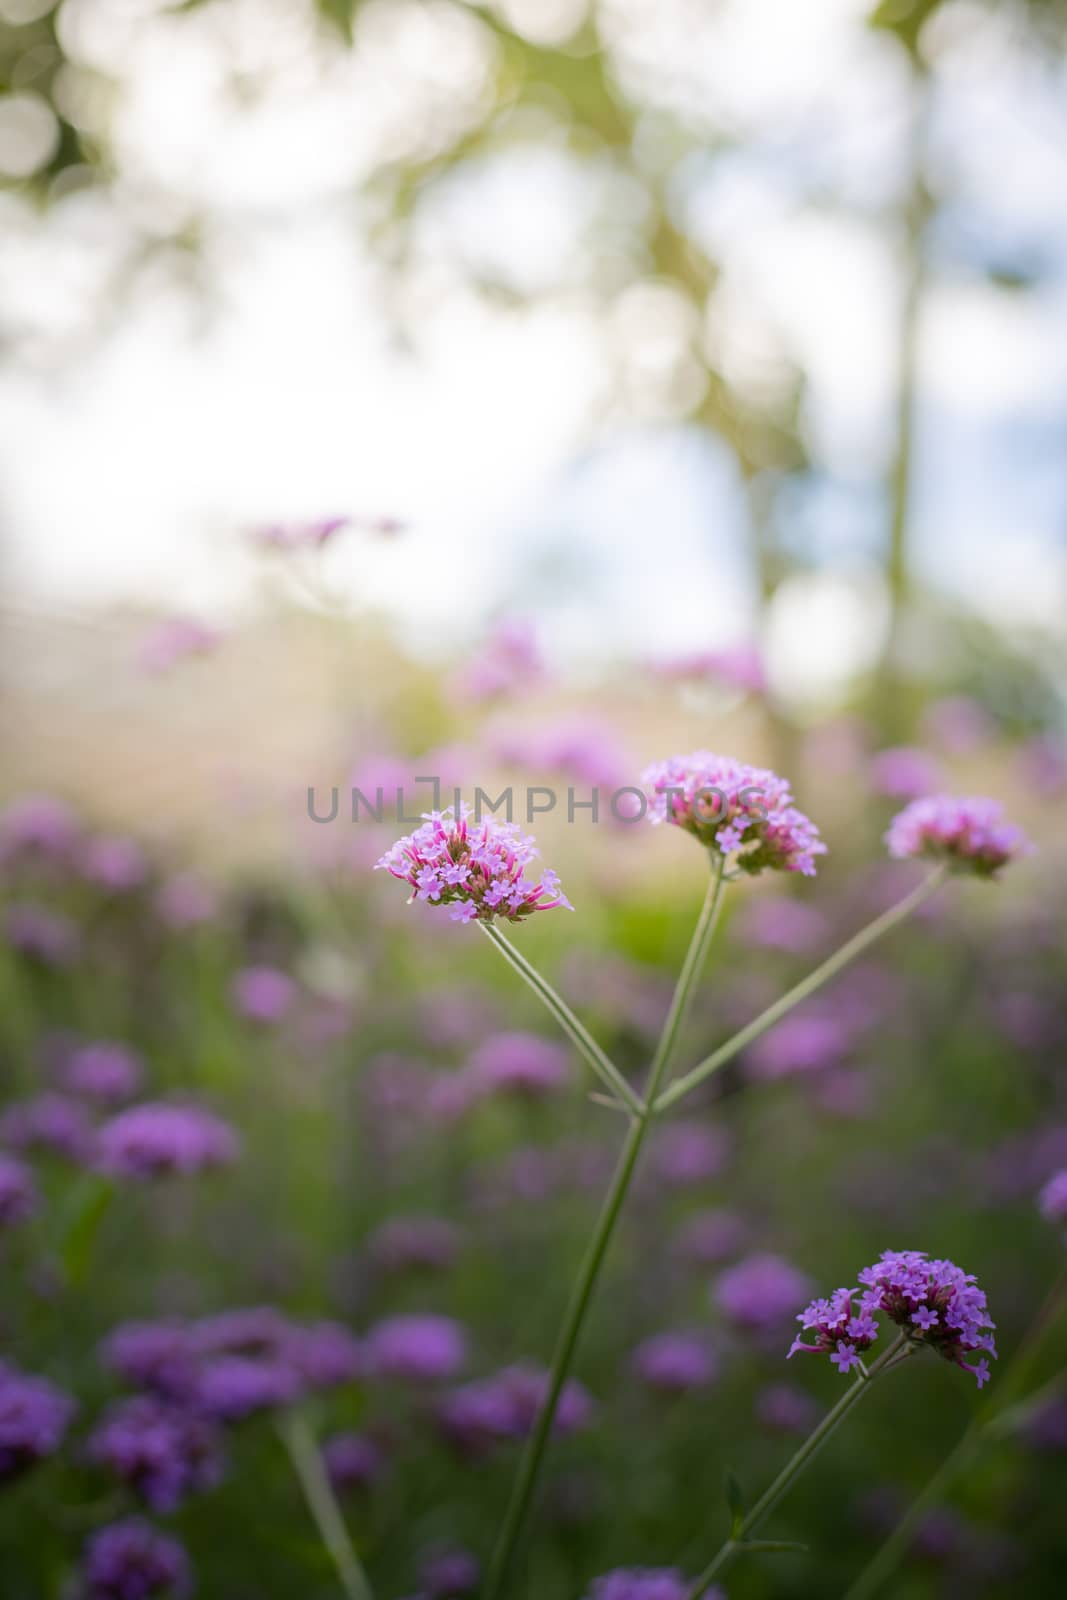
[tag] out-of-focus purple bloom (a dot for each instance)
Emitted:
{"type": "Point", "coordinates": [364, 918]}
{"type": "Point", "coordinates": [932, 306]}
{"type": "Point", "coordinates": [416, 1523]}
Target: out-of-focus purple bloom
{"type": "Point", "coordinates": [156, 1139]}
{"type": "Point", "coordinates": [709, 1237]}
{"type": "Point", "coordinates": [1043, 764]}
{"type": "Point", "coordinates": [506, 1406]}
{"type": "Point", "coordinates": [737, 810]}
{"type": "Point", "coordinates": [783, 924]}
{"type": "Point", "coordinates": [404, 1244]}
{"type": "Point", "coordinates": [904, 773]}
{"type": "Point", "coordinates": [519, 1063]}
{"type": "Point", "coordinates": [478, 869]}
{"type": "Point", "coordinates": [34, 1417]}
{"type": "Point", "coordinates": [263, 994]}
{"type": "Point", "coordinates": [971, 834]}
{"type": "Point", "coordinates": [675, 1362]}
{"type": "Point", "coordinates": [158, 1356]}
{"type": "Point", "coordinates": [443, 1573]}
{"type": "Point", "coordinates": [18, 1192]}
{"type": "Point", "coordinates": [646, 1583]}
{"type": "Point", "coordinates": [582, 747]}
{"type": "Point", "coordinates": [37, 825]}
{"type": "Point", "coordinates": [231, 1388]}
{"type": "Point", "coordinates": [353, 1460]}
{"type": "Point", "coordinates": [113, 862]}
{"type": "Point", "coordinates": [1046, 1428]}
{"type": "Point", "coordinates": [738, 666]}
{"type": "Point", "coordinates": [186, 901]}
{"type": "Point", "coordinates": [164, 1452]}
{"type": "Point", "coordinates": [685, 1154]}
{"type": "Point", "coordinates": [804, 1042]}
{"type": "Point", "coordinates": [103, 1071]}
{"type": "Point", "coordinates": [509, 662]}
{"type": "Point", "coordinates": [245, 1331]}
{"type": "Point", "coordinates": [132, 1561]}
{"type": "Point", "coordinates": [45, 936]}
{"type": "Point", "coordinates": [419, 1349]}
{"type": "Point", "coordinates": [959, 724]}
{"type": "Point", "coordinates": [52, 1122]}
{"type": "Point", "coordinates": [934, 1301]}
{"type": "Point", "coordinates": [786, 1409]}
{"type": "Point", "coordinates": [174, 640]}
{"type": "Point", "coordinates": [324, 1354]}
{"type": "Point", "coordinates": [760, 1291]}
{"type": "Point", "coordinates": [1053, 1199]}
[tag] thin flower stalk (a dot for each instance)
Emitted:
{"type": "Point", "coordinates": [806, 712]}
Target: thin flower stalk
{"type": "Point", "coordinates": [588, 1276]}
{"type": "Point", "coordinates": [738, 1542]}
{"type": "Point", "coordinates": [311, 1474]}
{"type": "Point", "coordinates": [802, 991]}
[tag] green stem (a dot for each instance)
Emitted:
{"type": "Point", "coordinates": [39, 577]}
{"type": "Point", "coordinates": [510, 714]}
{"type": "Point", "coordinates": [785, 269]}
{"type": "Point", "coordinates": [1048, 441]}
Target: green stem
{"type": "Point", "coordinates": [807, 987]}
{"type": "Point", "coordinates": [579, 1036]}
{"type": "Point", "coordinates": [589, 1274]}
{"type": "Point", "coordinates": [311, 1474]}
{"type": "Point", "coordinates": [803, 1458]}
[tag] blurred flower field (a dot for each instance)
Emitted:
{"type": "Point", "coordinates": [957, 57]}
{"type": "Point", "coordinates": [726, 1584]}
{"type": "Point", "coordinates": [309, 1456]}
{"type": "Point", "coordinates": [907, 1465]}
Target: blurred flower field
{"type": "Point", "coordinates": [295, 1178]}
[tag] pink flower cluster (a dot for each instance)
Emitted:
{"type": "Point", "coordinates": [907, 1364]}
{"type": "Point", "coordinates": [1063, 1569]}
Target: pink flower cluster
{"type": "Point", "coordinates": [972, 834]}
{"type": "Point", "coordinates": [934, 1301]}
{"type": "Point", "coordinates": [735, 809]}
{"type": "Point", "coordinates": [476, 868]}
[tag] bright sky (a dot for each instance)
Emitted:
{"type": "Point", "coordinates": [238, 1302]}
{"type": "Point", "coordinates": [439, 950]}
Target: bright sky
{"type": "Point", "coordinates": [134, 453]}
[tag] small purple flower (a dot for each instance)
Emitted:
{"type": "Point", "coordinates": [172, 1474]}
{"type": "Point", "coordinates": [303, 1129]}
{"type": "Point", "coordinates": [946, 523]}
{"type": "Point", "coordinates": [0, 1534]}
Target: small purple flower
{"type": "Point", "coordinates": [448, 1572]}
{"type": "Point", "coordinates": [186, 901]}
{"type": "Point", "coordinates": [353, 1460]}
{"type": "Point", "coordinates": [505, 1406]}
{"type": "Point", "coordinates": [760, 1291]}
{"type": "Point", "coordinates": [709, 1237]}
{"type": "Point", "coordinates": [903, 773]}
{"type": "Point", "coordinates": [781, 924]}
{"type": "Point", "coordinates": [405, 1244]}
{"type": "Point", "coordinates": [18, 1192]}
{"type": "Point", "coordinates": [103, 1071]}
{"type": "Point", "coordinates": [734, 809]}
{"type": "Point", "coordinates": [132, 1561]}
{"type": "Point", "coordinates": [164, 1452]}
{"type": "Point", "coordinates": [519, 1063]}
{"type": "Point", "coordinates": [785, 1408]}
{"type": "Point", "coordinates": [324, 1354]}
{"type": "Point", "coordinates": [157, 1356]}
{"type": "Point", "coordinates": [675, 1362]}
{"type": "Point", "coordinates": [45, 936]}
{"type": "Point", "coordinates": [34, 1417]}
{"type": "Point", "coordinates": [807, 1041]}
{"type": "Point", "coordinates": [419, 1349]}
{"type": "Point", "coordinates": [646, 1583]}
{"type": "Point", "coordinates": [1053, 1198]}
{"type": "Point", "coordinates": [263, 994]}
{"type": "Point", "coordinates": [37, 825]}
{"type": "Point", "coordinates": [231, 1388]}
{"type": "Point", "coordinates": [933, 1301]}
{"type": "Point", "coordinates": [497, 854]}
{"type": "Point", "coordinates": [509, 662]}
{"type": "Point", "coordinates": [50, 1122]}
{"type": "Point", "coordinates": [686, 1154]}
{"type": "Point", "coordinates": [113, 862]}
{"type": "Point", "coordinates": [971, 834]}
{"type": "Point", "coordinates": [155, 1139]}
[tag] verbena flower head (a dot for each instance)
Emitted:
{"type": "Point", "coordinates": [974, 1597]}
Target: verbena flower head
{"type": "Point", "coordinates": [18, 1192]}
{"type": "Point", "coordinates": [971, 834]}
{"type": "Point", "coordinates": [1053, 1198]}
{"type": "Point", "coordinates": [646, 1583]}
{"type": "Point", "coordinates": [933, 1301]}
{"type": "Point", "coordinates": [51, 1122]}
{"type": "Point", "coordinates": [735, 810]}
{"type": "Point", "coordinates": [506, 1405]}
{"type": "Point", "coordinates": [519, 1063]}
{"type": "Point", "coordinates": [353, 1460]}
{"type": "Point", "coordinates": [477, 869]}
{"type": "Point", "coordinates": [263, 994]}
{"type": "Point", "coordinates": [418, 1348]}
{"type": "Point", "coordinates": [103, 1071]}
{"type": "Point", "coordinates": [231, 1387]}
{"type": "Point", "coordinates": [445, 1573]}
{"type": "Point", "coordinates": [163, 1451]}
{"type": "Point", "coordinates": [760, 1291]}
{"type": "Point", "coordinates": [155, 1139]}
{"type": "Point", "coordinates": [34, 1417]}
{"type": "Point", "coordinates": [132, 1561]}
{"type": "Point", "coordinates": [675, 1362]}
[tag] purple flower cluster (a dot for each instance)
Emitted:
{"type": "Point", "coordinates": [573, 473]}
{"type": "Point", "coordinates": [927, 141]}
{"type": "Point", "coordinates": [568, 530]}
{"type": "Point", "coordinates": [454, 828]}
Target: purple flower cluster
{"type": "Point", "coordinates": [933, 1301]}
{"type": "Point", "coordinates": [154, 1139]}
{"type": "Point", "coordinates": [505, 1406]}
{"type": "Point", "coordinates": [18, 1192]}
{"type": "Point", "coordinates": [646, 1583]}
{"type": "Point", "coordinates": [970, 834]}
{"type": "Point", "coordinates": [103, 1071]}
{"type": "Point", "coordinates": [1053, 1198]}
{"type": "Point", "coordinates": [49, 1122]}
{"type": "Point", "coordinates": [162, 1450]}
{"type": "Point", "coordinates": [675, 1362]}
{"type": "Point", "coordinates": [132, 1561]}
{"type": "Point", "coordinates": [417, 1349]}
{"type": "Point", "coordinates": [476, 868]}
{"type": "Point", "coordinates": [518, 1063]}
{"type": "Point", "coordinates": [760, 1291]}
{"type": "Point", "coordinates": [736, 810]}
{"type": "Point", "coordinates": [34, 1416]}
{"type": "Point", "coordinates": [353, 1460]}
